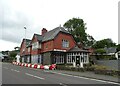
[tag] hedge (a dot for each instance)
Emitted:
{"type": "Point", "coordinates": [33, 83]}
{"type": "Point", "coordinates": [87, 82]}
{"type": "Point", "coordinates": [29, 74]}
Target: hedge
{"type": "Point", "coordinates": [94, 68]}
{"type": "Point", "coordinates": [107, 72]}
{"type": "Point", "coordinates": [70, 68]}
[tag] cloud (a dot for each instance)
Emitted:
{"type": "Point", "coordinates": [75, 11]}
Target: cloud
{"type": "Point", "coordinates": [100, 17]}
{"type": "Point", "coordinates": [12, 23]}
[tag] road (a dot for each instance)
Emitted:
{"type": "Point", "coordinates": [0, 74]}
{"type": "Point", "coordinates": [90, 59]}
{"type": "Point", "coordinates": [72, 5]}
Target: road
{"type": "Point", "coordinates": [12, 74]}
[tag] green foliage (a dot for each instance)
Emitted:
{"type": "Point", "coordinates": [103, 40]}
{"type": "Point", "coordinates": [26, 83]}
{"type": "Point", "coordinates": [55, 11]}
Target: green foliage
{"type": "Point", "coordinates": [118, 47]}
{"type": "Point", "coordinates": [13, 54]}
{"type": "Point", "coordinates": [90, 40]}
{"type": "Point", "coordinates": [100, 51]}
{"type": "Point", "coordinates": [16, 48]}
{"type": "Point", "coordinates": [70, 68]}
{"type": "Point", "coordinates": [104, 43]}
{"type": "Point", "coordinates": [77, 27]}
{"type": "Point", "coordinates": [105, 71]}
{"type": "Point", "coordinates": [99, 67]}
{"type": "Point", "coordinates": [5, 52]}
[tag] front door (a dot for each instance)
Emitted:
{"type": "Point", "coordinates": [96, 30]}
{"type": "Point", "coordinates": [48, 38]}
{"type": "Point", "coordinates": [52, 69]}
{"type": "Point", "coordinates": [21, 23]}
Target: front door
{"type": "Point", "coordinates": [77, 60]}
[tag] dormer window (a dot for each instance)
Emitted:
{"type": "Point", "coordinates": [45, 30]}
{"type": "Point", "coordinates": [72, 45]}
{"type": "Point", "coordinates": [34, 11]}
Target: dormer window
{"type": "Point", "coordinates": [65, 43]}
{"type": "Point", "coordinates": [28, 49]}
{"type": "Point", "coordinates": [35, 45]}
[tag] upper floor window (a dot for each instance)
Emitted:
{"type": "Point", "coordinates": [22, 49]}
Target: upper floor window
{"type": "Point", "coordinates": [28, 49]}
{"type": "Point", "coordinates": [35, 45]}
{"type": "Point", "coordinates": [46, 46]}
{"type": "Point", "coordinates": [65, 43]}
{"type": "Point", "coordinates": [40, 45]}
{"type": "Point", "coordinates": [23, 50]}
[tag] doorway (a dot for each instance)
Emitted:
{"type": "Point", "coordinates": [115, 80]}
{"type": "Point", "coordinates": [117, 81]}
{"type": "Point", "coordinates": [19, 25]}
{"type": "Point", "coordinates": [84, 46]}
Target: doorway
{"type": "Point", "coordinates": [77, 60]}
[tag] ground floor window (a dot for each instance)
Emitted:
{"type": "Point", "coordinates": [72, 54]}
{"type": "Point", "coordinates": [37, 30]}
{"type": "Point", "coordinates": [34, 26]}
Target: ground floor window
{"type": "Point", "coordinates": [59, 59]}
{"type": "Point", "coordinates": [28, 59]}
{"type": "Point", "coordinates": [22, 59]}
{"type": "Point", "coordinates": [69, 59]}
{"type": "Point", "coordinates": [39, 59]}
{"type": "Point", "coordinates": [36, 59]}
{"type": "Point", "coordinates": [81, 57]}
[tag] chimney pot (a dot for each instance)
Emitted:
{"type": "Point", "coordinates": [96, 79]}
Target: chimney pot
{"type": "Point", "coordinates": [44, 30]}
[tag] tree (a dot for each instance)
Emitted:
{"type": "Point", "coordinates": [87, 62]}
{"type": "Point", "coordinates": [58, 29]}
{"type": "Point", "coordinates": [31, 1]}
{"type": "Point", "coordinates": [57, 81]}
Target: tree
{"type": "Point", "coordinates": [100, 51]}
{"type": "Point", "coordinates": [104, 43]}
{"type": "Point", "coordinates": [16, 48]}
{"type": "Point", "coordinates": [77, 28]}
{"type": "Point", "coordinates": [118, 47]}
{"type": "Point", "coordinates": [13, 54]}
{"type": "Point", "coordinates": [90, 40]}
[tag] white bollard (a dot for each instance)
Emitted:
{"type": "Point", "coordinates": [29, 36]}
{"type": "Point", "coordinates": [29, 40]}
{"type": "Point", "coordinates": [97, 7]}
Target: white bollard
{"type": "Point", "coordinates": [74, 64]}
{"type": "Point", "coordinates": [29, 65]}
{"type": "Point", "coordinates": [32, 66]}
{"type": "Point", "coordinates": [38, 66]}
{"type": "Point", "coordinates": [46, 67]}
{"type": "Point", "coordinates": [81, 64]}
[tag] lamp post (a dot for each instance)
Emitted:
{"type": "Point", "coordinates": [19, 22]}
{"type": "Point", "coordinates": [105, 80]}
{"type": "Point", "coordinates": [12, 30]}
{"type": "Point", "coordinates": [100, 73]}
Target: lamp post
{"type": "Point", "coordinates": [25, 42]}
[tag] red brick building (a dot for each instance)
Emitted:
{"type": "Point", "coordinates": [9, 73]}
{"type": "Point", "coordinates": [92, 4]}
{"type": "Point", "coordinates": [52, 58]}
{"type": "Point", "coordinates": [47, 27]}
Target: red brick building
{"type": "Point", "coordinates": [55, 46]}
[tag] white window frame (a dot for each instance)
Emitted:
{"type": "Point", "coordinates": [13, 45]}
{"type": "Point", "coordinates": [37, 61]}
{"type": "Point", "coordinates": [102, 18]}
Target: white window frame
{"type": "Point", "coordinates": [69, 58]}
{"type": "Point", "coordinates": [65, 43]}
{"type": "Point", "coordinates": [59, 59]}
{"type": "Point", "coordinates": [40, 45]}
{"type": "Point", "coordinates": [35, 45]}
{"type": "Point", "coordinates": [28, 49]}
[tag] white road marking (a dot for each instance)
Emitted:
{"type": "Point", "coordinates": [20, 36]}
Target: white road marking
{"type": "Point", "coordinates": [34, 76]}
{"type": "Point", "coordinates": [15, 70]}
{"type": "Point", "coordinates": [62, 84]}
{"type": "Point", "coordinates": [12, 69]}
{"type": "Point", "coordinates": [84, 77]}
{"type": "Point", "coordinates": [5, 67]}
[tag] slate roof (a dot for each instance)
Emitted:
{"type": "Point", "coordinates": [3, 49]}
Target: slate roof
{"type": "Point", "coordinates": [27, 42]}
{"type": "Point", "coordinates": [39, 37]}
{"type": "Point", "coordinates": [1, 55]}
{"type": "Point", "coordinates": [110, 50]}
{"type": "Point", "coordinates": [53, 33]}
{"type": "Point", "coordinates": [77, 49]}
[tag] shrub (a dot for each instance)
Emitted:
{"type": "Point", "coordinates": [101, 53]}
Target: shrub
{"type": "Point", "coordinates": [99, 67]}
{"type": "Point", "coordinates": [108, 72]}
{"type": "Point", "coordinates": [91, 68]}
{"type": "Point", "coordinates": [70, 68]}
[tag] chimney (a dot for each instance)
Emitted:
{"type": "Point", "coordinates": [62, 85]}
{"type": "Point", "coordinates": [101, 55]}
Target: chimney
{"type": "Point", "coordinates": [44, 30]}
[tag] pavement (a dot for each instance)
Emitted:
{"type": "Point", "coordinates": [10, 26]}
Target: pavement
{"type": "Point", "coordinates": [12, 74]}
{"type": "Point", "coordinates": [90, 75]}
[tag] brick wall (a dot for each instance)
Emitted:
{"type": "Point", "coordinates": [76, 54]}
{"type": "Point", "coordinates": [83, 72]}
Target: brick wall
{"type": "Point", "coordinates": [58, 41]}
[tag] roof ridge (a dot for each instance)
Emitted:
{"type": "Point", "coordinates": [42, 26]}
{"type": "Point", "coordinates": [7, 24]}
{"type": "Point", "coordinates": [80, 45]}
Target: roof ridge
{"type": "Point", "coordinates": [37, 34]}
{"type": "Point", "coordinates": [26, 39]}
{"type": "Point", "coordinates": [52, 33]}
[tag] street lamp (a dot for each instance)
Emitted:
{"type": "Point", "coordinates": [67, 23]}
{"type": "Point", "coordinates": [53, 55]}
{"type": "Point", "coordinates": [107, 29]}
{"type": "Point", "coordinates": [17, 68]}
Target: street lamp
{"type": "Point", "coordinates": [25, 41]}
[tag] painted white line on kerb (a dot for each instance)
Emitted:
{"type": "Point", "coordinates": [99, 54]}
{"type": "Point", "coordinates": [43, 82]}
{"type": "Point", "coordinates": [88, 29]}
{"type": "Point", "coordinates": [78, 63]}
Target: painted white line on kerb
{"type": "Point", "coordinates": [83, 77]}
{"type": "Point", "coordinates": [34, 76]}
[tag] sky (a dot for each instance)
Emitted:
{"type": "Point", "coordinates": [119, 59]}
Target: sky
{"type": "Point", "coordinates": [100, 16]}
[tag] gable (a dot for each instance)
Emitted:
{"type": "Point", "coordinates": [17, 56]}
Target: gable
{"type": "Point", "coordinates": [21, 46]}
{"type": "Point", "coordinates": [64, 36]}
{"type": "Point", "coordinates": [34, 39]}
{"type": "Point", "coordinates": [58, 44]}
